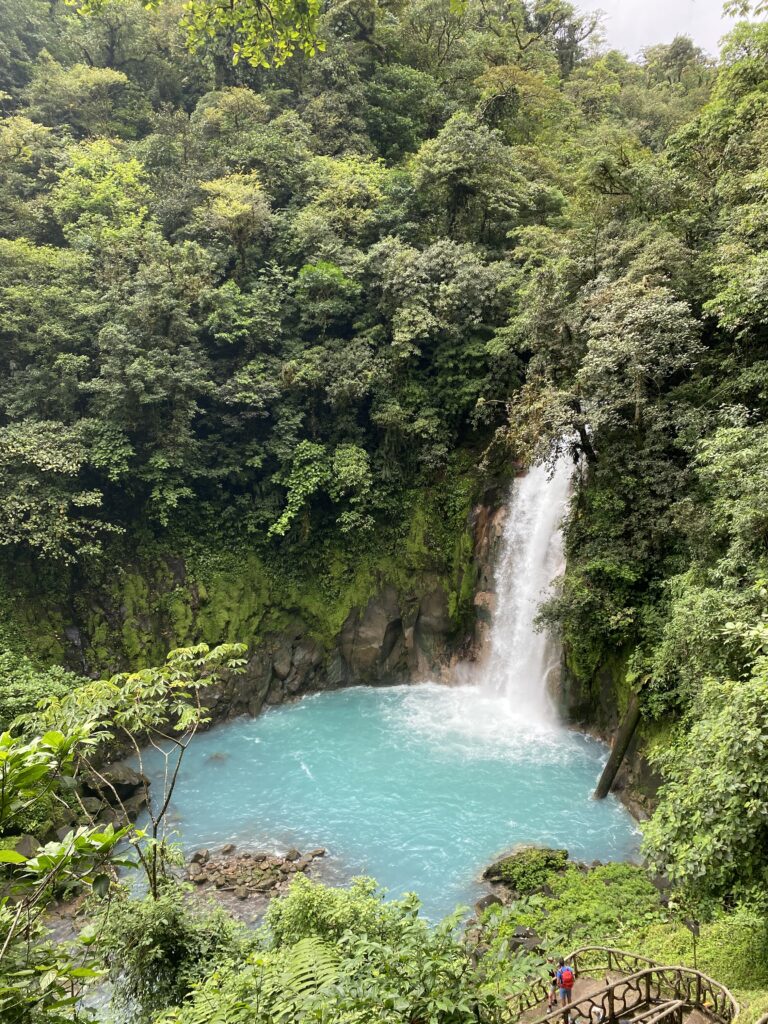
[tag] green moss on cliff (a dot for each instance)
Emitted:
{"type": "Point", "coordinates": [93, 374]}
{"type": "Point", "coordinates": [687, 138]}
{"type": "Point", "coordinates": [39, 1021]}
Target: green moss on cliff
{"type": "Point", "coordinates": [32, 621]}
{"type": "Point", "coordinates": [148, 597]}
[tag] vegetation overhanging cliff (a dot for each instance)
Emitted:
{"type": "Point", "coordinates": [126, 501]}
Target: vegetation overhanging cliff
{"type": "Point", "coordinates": [268, 333]}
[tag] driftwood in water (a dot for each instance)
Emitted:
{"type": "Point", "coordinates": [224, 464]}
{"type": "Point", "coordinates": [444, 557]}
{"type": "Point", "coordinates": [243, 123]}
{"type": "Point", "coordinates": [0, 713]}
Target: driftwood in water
{"type": "Point", "coordinates": [620, 744]}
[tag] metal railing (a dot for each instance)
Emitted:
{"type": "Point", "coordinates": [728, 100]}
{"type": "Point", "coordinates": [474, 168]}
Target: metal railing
{"type": "Point", "coordinates": [651, 993]}
{"type": "Point", "coordinates": [585, 960]}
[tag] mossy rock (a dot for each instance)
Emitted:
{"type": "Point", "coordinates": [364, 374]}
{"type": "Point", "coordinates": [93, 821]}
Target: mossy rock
{"type": "Point", "coordinates": [528, 869]}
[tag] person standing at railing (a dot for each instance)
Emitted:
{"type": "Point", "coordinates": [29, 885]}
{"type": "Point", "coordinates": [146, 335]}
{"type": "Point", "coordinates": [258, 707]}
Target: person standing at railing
{"type": "Point", "coordinates": [552, 990]}
{"type": "Point", "coordinates": [565, 981]}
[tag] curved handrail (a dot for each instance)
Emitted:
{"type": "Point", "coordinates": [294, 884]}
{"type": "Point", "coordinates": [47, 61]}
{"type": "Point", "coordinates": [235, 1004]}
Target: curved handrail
{"type": "Point", "coordinates": [614, 958]}
{"type": "Point", "coordinates": [653, 984]}
{"type": "Point", "coordinates": [537, 991]}
{"type": "Point", "coordinates": [660, 1011]}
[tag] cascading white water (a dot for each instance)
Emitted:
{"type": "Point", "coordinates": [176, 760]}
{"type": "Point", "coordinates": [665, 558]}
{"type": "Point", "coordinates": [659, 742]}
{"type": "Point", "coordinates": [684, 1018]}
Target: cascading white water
{"type": "Point", "coordinates": [522, 658]}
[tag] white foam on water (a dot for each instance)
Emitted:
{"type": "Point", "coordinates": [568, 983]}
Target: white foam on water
{"type": "Point", "coordinates": [474, 721]}
{"type": "Point", "coordinates": [504, 706]}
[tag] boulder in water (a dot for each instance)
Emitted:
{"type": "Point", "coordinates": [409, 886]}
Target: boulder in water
{"type": "Point", "coordinates": [526, 869]}
{"type": "Point", "coordinates": [247, 874]}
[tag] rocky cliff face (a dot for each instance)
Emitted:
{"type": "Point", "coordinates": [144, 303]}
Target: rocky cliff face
{"type": "Point", "coordinates": [398, 635]}
{"type": "Point", "coordinates": [488, 529]}
{"type": "Point", "coordinates": [596, 705]}
{"type": "Point", "coordinates": [400, 608]}
{"type": "Point", "coordinates": [395, 637]}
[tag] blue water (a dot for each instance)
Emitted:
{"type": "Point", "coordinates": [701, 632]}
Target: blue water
{"type": "Point", "coordinates": [417, 786]}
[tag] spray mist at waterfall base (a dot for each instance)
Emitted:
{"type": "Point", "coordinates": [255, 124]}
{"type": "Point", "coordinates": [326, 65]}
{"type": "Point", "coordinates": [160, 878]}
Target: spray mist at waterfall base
{"type": "Point", "coordinates": [421, 787]}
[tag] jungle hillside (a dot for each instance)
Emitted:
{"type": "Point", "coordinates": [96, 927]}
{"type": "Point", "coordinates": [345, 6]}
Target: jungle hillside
{"type": "Point", "coordinates": [287, 289]}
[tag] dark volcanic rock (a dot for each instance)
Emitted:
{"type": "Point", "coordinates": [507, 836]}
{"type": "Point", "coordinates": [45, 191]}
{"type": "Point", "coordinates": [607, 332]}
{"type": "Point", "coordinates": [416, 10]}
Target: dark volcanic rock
{"type": "Point", "coordinates": [116, 780]}
{"type": "Point", "coordinates": [247, 873]}
{"type": "Point", "coordinates": [491, 900]}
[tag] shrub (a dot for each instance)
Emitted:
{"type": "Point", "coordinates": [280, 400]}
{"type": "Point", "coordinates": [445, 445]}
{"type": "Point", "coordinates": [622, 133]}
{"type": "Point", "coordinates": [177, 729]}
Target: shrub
{"type": "Point", "coordinates": [602, 905]}
{"type": "Point", "coordinates": [311, 909]}
{"type": "Point", "coordinates": [23, 685]}
{"type": "Point", "coordinates": [596, 907]}
{"type": "Point", "coordinates": [733, 948]}
{"type": "Point", "coordinates": [157, 950]}
{"type": "Point", "coordinates": [527, 871]}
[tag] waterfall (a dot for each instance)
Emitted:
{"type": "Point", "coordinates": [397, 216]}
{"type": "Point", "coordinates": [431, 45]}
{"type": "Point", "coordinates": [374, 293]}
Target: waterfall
{"type": "Point", "coordinates": [521, 659]}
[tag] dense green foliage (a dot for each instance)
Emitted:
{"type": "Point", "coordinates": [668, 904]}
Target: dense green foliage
{"type": "Point", "coordinates": [604, 906]}
{"type": "Point", "coordinates": [290, 320]}
{"type": "Point", "coordinates": [156, 950]}
{"type": "Point", "coordinates": [260, 31]}
{"type": "Point", "coordinates": [219, 306]}
{"type": "Point", "coordinates": [345, 955]}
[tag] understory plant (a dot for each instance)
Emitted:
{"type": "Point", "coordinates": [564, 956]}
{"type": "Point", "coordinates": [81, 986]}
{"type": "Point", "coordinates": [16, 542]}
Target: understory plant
{"type": "Point", "coordinates": [328, 955]}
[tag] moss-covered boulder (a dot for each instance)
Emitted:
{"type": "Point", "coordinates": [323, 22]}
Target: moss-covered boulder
{"type": "Point", "coordinates": [527, 869]}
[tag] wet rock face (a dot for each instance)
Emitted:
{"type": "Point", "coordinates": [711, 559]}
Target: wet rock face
{"type": "Point", "coordinates": [373, 639]}
{"type": "Point", "coordinates": [391, 639]}
{"type": "Point", "coordinates": [396, 636]}
{"type": "Point", "coordinates": [248, 874]}
{"type": "Point", "coordinates": [488, 524]}
{"type": "Point", "coordinates": [431, 631]}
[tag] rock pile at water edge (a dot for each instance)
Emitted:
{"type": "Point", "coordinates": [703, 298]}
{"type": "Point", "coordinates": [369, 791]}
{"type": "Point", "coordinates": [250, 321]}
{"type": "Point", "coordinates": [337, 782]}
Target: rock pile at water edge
{"type": "Point", "coordinates": [249, 873]}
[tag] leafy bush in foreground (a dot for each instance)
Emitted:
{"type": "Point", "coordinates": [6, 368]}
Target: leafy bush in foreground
{"type": "Point", "coordinates": [346, 955]}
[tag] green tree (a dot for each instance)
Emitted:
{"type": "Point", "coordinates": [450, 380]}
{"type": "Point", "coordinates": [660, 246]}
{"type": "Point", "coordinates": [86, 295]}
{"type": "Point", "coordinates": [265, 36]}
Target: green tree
{"type": "Point", "coordinates": [260, 32]}
{"type": "Point", "coordinates": [471, 179]}
{"type": "Point", "coordinates": [83, 97]}
{"type": "Point", "coordinates": [714, 845]}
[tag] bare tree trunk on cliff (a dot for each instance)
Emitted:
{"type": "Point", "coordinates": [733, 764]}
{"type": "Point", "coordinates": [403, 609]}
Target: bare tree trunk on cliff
{"type": "Point", "coordinates": [620, 745]}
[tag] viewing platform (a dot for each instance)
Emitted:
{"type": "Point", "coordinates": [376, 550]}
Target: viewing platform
{"type": "Point", "coordinates": [612, 985]}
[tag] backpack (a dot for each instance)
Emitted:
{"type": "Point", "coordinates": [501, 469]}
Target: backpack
{"type": "Point", "coordinates": [566, 977]}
